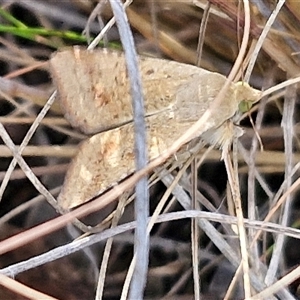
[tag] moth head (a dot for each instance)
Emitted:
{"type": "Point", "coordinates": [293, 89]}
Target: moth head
{"type": "Point", "coordinates": [246, 96]}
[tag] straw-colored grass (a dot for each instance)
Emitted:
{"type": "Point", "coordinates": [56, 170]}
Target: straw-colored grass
{"type": "Point", "coordinates": [210, 237]}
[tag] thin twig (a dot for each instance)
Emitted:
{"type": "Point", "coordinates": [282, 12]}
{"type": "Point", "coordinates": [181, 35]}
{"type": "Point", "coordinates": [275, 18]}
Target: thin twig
{"type": "Point", "coordinates": [195, 233]}
{"type": "Point", "coordinates": [261, 39]}
{"type": "Point", "coordinates": [140, 145]}
{"type": "Point", "coordinates": [288, 133]}
{"type": "Point", "coordinates": [241, 227]}
{"type": "Point", "coordinates": [202, 33]}
{"type": "Point", "coordinates": [80, 244]}
{"type": "Point", "coordinates": [25, 141]}
{"type": "Point", "coordinates": [22, 289]}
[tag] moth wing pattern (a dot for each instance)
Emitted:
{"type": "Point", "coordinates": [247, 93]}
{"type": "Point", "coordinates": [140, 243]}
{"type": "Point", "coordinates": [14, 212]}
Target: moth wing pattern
{"type": "Point", "coordinates": [108, 157]}
{"type": "Point", "coordinates": [94, 88]}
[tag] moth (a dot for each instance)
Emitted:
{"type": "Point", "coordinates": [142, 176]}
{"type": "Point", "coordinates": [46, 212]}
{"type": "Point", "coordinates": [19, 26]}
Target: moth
{"type": "Point", "coordinates": [94, 93]}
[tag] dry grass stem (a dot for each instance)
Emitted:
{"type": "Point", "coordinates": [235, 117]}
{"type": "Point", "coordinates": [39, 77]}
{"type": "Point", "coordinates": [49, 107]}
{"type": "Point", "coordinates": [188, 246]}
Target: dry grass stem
{"type": "Point", "coordinates": [201, 245]}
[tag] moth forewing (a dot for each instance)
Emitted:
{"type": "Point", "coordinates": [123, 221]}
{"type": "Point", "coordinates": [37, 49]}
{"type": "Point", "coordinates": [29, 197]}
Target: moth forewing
{"type": "Point", "coordinates": [94, 87]}
{"type": "Point", "coordinates": [196, 96]}
{"type": "Point", "coordinates": [108, 157]}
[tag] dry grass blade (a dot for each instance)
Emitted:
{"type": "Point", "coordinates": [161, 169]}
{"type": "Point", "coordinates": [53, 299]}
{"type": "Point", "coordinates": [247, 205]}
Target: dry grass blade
{"type": "Point", "coordinates": [22, 289]}
{"type": "Point", "coordinates": [268, 180]}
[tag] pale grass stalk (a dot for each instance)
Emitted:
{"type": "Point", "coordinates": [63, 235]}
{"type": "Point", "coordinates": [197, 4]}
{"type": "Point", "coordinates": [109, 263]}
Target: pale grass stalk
{"type": "Point", "coordinates": [29, 120]}
{"type": "Point", "coordinates": [153, 220]}
{"type": "Point", "coordinates": [14, 103]}
{"type": "Point", "coordinates": [282, 199]}
{"type": "Point", "coordinates": [22, 289]}
{"type": "Point", "coordinates": [235, 192]}
{"type": "Point", "coordinates": [277, 286]}
{"type": "Point", "coordinates": [57, 124]}
{"type": "Point", "coordinates": [87, 241]}
{"type": "Point", "coordinates": [233, 282]}
{"type": "Point", "coordinates": [24, 206]}
{"type": "Point", "coordinates": [262, 37]}
{"type": "Point", "coordinates": [101, 280]}
{"type": "Point", "coordinates": [280, 86]}
{"type": "Point", "coordinates": [202, 31]}
{"type": "Point", "coordinates": [287, 124]}
{"type": "Point", "coordinates": [280, 191]}
{"type": "Point", "coordinates": [21, 71]}
{"type": "Point", "coordinates": [109, 25]}
{"type": "Point", "coordinates": [167, 42]}
{"type": "Point", "coordinates": [195, 233]}
{"type": "Point", "coordinates": [41, 151]}
{"type": "Point", "coordinates": [246, 60]}
{"type": "Point", "coordinates": [251, 183]}
{"type": "Point", "coordinates": [38, 171]}
{"type": "Point", "coordinates": [24, 166]}
{"type": "Point", "coordinates": [184, 279]}
{"type": "Point", "coordinates": [31, 94]}
{"type": "Point", "coordinates": [265, 157]}
{"type": "Point", "coordinates": [212, 233]}
{"type": "Point", "coordinates": [34, 180]}
{"type": "Point", "coordinates": [141, 208]}
{"type": "Point", "coordinates": [106, 222]}
{"type": "Point", "coordinates": [240, 222]}
{"type": "Point", "coordinates": [24, 143]}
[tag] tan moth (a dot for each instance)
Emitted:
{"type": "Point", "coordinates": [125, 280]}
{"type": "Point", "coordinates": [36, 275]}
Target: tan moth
{"type": "Point", "coordinates": [94, 92]}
